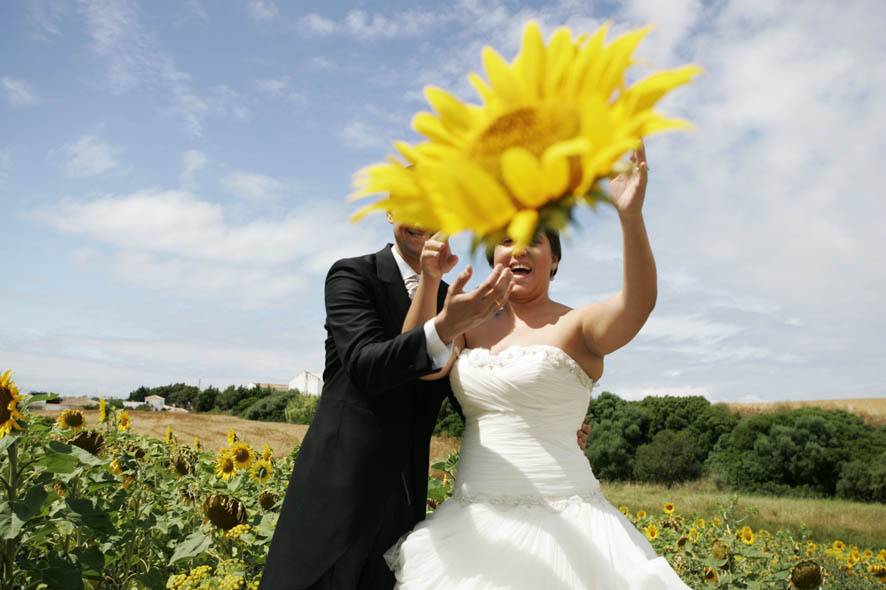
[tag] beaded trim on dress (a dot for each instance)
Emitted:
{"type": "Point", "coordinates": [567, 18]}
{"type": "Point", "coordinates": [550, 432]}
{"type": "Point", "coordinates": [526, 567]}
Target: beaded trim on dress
{"type": "Point", "coordinates": [483, 357]}
{"type": "Point", "coordinates": [505, 501]}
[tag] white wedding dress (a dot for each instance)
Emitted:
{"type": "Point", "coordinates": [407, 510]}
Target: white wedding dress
{"type": "Point", "coordinates": [526, 511]}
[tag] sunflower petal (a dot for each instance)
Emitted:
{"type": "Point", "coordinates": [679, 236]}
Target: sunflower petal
{"type": "Point", "coordinates": [523, 174]}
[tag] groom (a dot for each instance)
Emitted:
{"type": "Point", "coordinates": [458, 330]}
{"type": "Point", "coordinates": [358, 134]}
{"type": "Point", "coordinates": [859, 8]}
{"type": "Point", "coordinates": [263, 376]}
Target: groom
{"type": "Point", "coordinates": [360, 481]}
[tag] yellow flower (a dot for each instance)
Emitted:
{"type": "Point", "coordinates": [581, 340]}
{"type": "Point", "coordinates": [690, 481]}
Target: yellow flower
{"type": "Point", "coordinates": [115, 467]}
{"type": "Point", "coordinates": [668, 508]}
{"type": "Point", "coordinates": [123, 421]}
{"type": "Point", "coordinates": [71, 419]}
{"type": "Point", "coordinates": [224, 465]}
{"type": "Point", "coordinates": [102, 411]}
{"type": "Point", "coordinates": [624, 510]}
{"type": "Point", "coordinates": [651, 532]}
{"type": "Point", "coordinates": [262, 470]}
{"type": "Point", "coordinates": [167, 437]}
{"type": "Point", "coordinates": [266, 453]}
{"type": "Point", "coordinates": [839, 545]}
{"type": "Point", "coordinates": [716, 521]}
{"type": "Point", "coordinates": [236, 531]}
{"type": "Point", "coordinates": [747, 535]}
{"type": "Point", "coordinates": [694, 534]}
{"type": "Point", "coordinates": [232, 437]}
{"type": "Point", "coordinates": [550, 126]}
{"type": "Point", "coordinates": [641, 514]}
{"type": "Point", "coordinates": [699, 523]}
{"type": "Point", "coordinates": [197, 445]}
{"type": "Point", "coordinates": [710, 576]}
{"type": "Point", "coordinates": [243, 454]}
{"type": "Point", "coordinates": [9, 399]}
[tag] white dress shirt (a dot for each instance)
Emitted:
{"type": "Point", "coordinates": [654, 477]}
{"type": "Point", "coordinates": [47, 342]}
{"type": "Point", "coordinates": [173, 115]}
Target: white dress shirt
{"type": "Point", "coordinates": [438, 351]}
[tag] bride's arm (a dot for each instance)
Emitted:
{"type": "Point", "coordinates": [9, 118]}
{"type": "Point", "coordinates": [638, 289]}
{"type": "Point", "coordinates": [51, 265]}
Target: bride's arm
{"type": "Point", "coordinates": [610, 324]}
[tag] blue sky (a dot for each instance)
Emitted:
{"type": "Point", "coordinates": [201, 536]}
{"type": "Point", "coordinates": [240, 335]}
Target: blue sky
{"type": "Point", "coordinates": [173, 179]}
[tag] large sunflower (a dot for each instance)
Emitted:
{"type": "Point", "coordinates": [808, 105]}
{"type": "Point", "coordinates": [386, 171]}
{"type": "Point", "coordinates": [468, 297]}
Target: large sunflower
{"type": "Point", "coordinates": [71, 419]}
{"type": "Point", "coordinates": [9, 399]}
{"type": "Point", "coordinates": [550, 126]}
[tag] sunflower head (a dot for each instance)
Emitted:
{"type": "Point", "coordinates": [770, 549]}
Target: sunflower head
{"type": "Point", "coordinates": [719, 549]}
{"type": "Point", "coordinates": [242, 454]}
{"type": "Point", "coordinates": [225, 467]}
{"type": "Point", "coordinates": [266, 453]}
{"type": "Point", "coordinates": [182, 465]}
{"type": "Point", "coordinates": [223, 511]}
{"type": "Point", "coordinates": [668, 508]}
{"type": "Point", "coordinates": [551, 125]}
{"type": "Point", "coordinates": [71, 419]}
{"type": "Point", "coordinates": [123, 421]}
{"type": "Point", "coordinates": [102, 411]}
{"type": "Point", "coordinates": [262, 470]}
{"type": "Point", "coordinates": [88, 440]}
{"type": "Point", "coordinates": [806, 575]}
{"type": "Point", "coordinates": [651, 532]}
{"type": "Point", "coordinates": [9, 400]}
{"type": "Point", "coordinates": [267, 499]}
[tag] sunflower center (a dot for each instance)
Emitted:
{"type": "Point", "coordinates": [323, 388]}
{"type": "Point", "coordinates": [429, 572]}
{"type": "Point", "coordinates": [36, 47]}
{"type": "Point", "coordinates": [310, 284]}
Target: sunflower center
{"type": "Point", "coordinates": [533, 128]}
{"type": "Point", "coordinates": [5, 398]}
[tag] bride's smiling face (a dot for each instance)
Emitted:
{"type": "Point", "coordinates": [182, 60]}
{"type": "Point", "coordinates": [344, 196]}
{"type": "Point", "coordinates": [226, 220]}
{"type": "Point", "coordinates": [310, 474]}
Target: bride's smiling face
{"type": "Point", "coordinates": [532, 268]}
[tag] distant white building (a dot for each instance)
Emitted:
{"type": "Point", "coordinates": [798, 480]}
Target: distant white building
{"type": "Point", "coordinates": [156, 402]}
{"type": "Point", "coordinates": [307, 382]}
{"type": "Point", "coordinates": [133, 405]}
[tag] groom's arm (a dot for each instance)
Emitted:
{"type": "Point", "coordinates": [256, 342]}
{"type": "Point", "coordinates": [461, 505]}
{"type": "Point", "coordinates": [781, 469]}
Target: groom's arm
{"type": "Point", "coordinates": [373, 362]}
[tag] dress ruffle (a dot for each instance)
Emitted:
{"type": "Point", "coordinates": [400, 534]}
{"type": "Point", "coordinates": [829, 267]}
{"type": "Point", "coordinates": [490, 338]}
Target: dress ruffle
{"type": "Point", "coordinates": [576, 543]}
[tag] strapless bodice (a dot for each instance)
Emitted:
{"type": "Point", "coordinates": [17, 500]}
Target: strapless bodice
{"type": "Point", "coordinates": [522, 407]}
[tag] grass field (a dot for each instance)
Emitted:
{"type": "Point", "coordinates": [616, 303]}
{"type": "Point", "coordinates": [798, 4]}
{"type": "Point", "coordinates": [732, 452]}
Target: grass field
{"type": "Point", "coordinates": [871, 409]}
{"type": "Point", "coordinates": [852, 522]}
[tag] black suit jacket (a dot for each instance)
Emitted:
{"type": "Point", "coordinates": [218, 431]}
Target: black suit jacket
{"type": "Point", "coordinates": [369, 441]}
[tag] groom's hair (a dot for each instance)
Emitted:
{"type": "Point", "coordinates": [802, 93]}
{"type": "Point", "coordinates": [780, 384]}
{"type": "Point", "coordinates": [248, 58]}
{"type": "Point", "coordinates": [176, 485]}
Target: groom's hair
{"type": "Point", "coordinates": [556, 249]}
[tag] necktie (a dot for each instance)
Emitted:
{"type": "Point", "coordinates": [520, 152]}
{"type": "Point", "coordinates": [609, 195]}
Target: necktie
{"type": "Point", "coordinates": [411, 283]}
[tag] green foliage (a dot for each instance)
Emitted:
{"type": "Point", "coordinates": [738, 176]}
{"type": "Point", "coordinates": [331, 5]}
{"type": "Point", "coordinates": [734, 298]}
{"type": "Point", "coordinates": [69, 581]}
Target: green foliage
{"type": "Point", "coordinates": [271, 407]}
{"type": "Point", "coordinates": [621, 428]}
{"type": "Point", "coordinates": [864, 480]}
{"type": "Point", "coordinates": [670, 458]}
{"type": "Point", "coordinates": [449, 422]}
{"type": "Point", "coordinates": [301, 408]}
{"type": "Point", "coordinates": [801, 451]}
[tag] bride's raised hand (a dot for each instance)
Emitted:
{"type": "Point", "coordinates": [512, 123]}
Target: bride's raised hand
{"type": "Point", "coordinates": [628, 189]}
{"type": "Point", "coordinates": [437, 258]}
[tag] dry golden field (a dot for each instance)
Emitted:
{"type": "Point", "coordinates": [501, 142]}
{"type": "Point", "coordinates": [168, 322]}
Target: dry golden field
{"type": "Point", "coordinates": [871, 409]}
{"type": "Point", "coordinates": [212, 430]}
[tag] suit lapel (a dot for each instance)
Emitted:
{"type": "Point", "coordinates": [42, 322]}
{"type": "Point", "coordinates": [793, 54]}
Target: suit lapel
{"type": "Point", "coordinates": [397, 298]}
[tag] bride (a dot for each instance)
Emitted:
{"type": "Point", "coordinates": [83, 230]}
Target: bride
{"type": "Point", "coordinates": [527, 511]}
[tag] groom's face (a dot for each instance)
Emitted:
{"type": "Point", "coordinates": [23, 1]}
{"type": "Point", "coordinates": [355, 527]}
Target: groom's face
{"type": "Point", "coordinates": [410, 240]}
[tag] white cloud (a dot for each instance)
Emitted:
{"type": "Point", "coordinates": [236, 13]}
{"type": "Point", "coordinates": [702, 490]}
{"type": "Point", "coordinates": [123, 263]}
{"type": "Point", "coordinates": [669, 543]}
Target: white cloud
{"type": "Point", "coordinates": [44, 17]}
{"type": "Point", "coordinates": [89, 156]}
{"type": "Point", "coordinates": [317, 25]}
{"type": "Point", "coordinates": [172, 241]}
{"type": "Point", "coordinates": [362, 135]}
{"type": "Point", "coordinates": [322, 63]}
{"type": "Point", "coordinates": [252, 186]}
{"type": "Point", "coordinates": [363, 25]}
{"type": "Point", "coordinates": [280, 88]}
{"type": "Point", "coordinates": [263, 10]}
{"type": "Point", "coordinates": [193, 161]}
{"type": "Point", "coordinates": [18, 92]}
{"type": "Point", "coordinates": [136, 59]}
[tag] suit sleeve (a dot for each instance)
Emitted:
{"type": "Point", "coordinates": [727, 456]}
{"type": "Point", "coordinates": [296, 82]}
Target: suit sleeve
{"type": "Point", "coordinates": [374, 362]}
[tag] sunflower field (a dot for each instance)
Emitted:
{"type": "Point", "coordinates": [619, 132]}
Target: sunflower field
{"type": "Point", "coordinates": [96, 506]}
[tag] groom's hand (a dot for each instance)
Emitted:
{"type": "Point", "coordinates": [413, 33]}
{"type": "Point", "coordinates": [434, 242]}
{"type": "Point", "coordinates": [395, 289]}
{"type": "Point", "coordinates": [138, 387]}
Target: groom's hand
{"type": "Point", "coordinates": [463, 311]}
{"type": "Point", "coordinates": [582, 435]}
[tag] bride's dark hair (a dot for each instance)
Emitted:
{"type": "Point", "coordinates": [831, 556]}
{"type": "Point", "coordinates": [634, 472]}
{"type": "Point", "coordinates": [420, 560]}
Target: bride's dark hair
{"type": "Point", "coordinates": [556, 249]}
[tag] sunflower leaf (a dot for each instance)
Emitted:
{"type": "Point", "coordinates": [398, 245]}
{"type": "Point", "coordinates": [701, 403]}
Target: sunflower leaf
{"type": "Point", "coordinates": [194, 545]}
